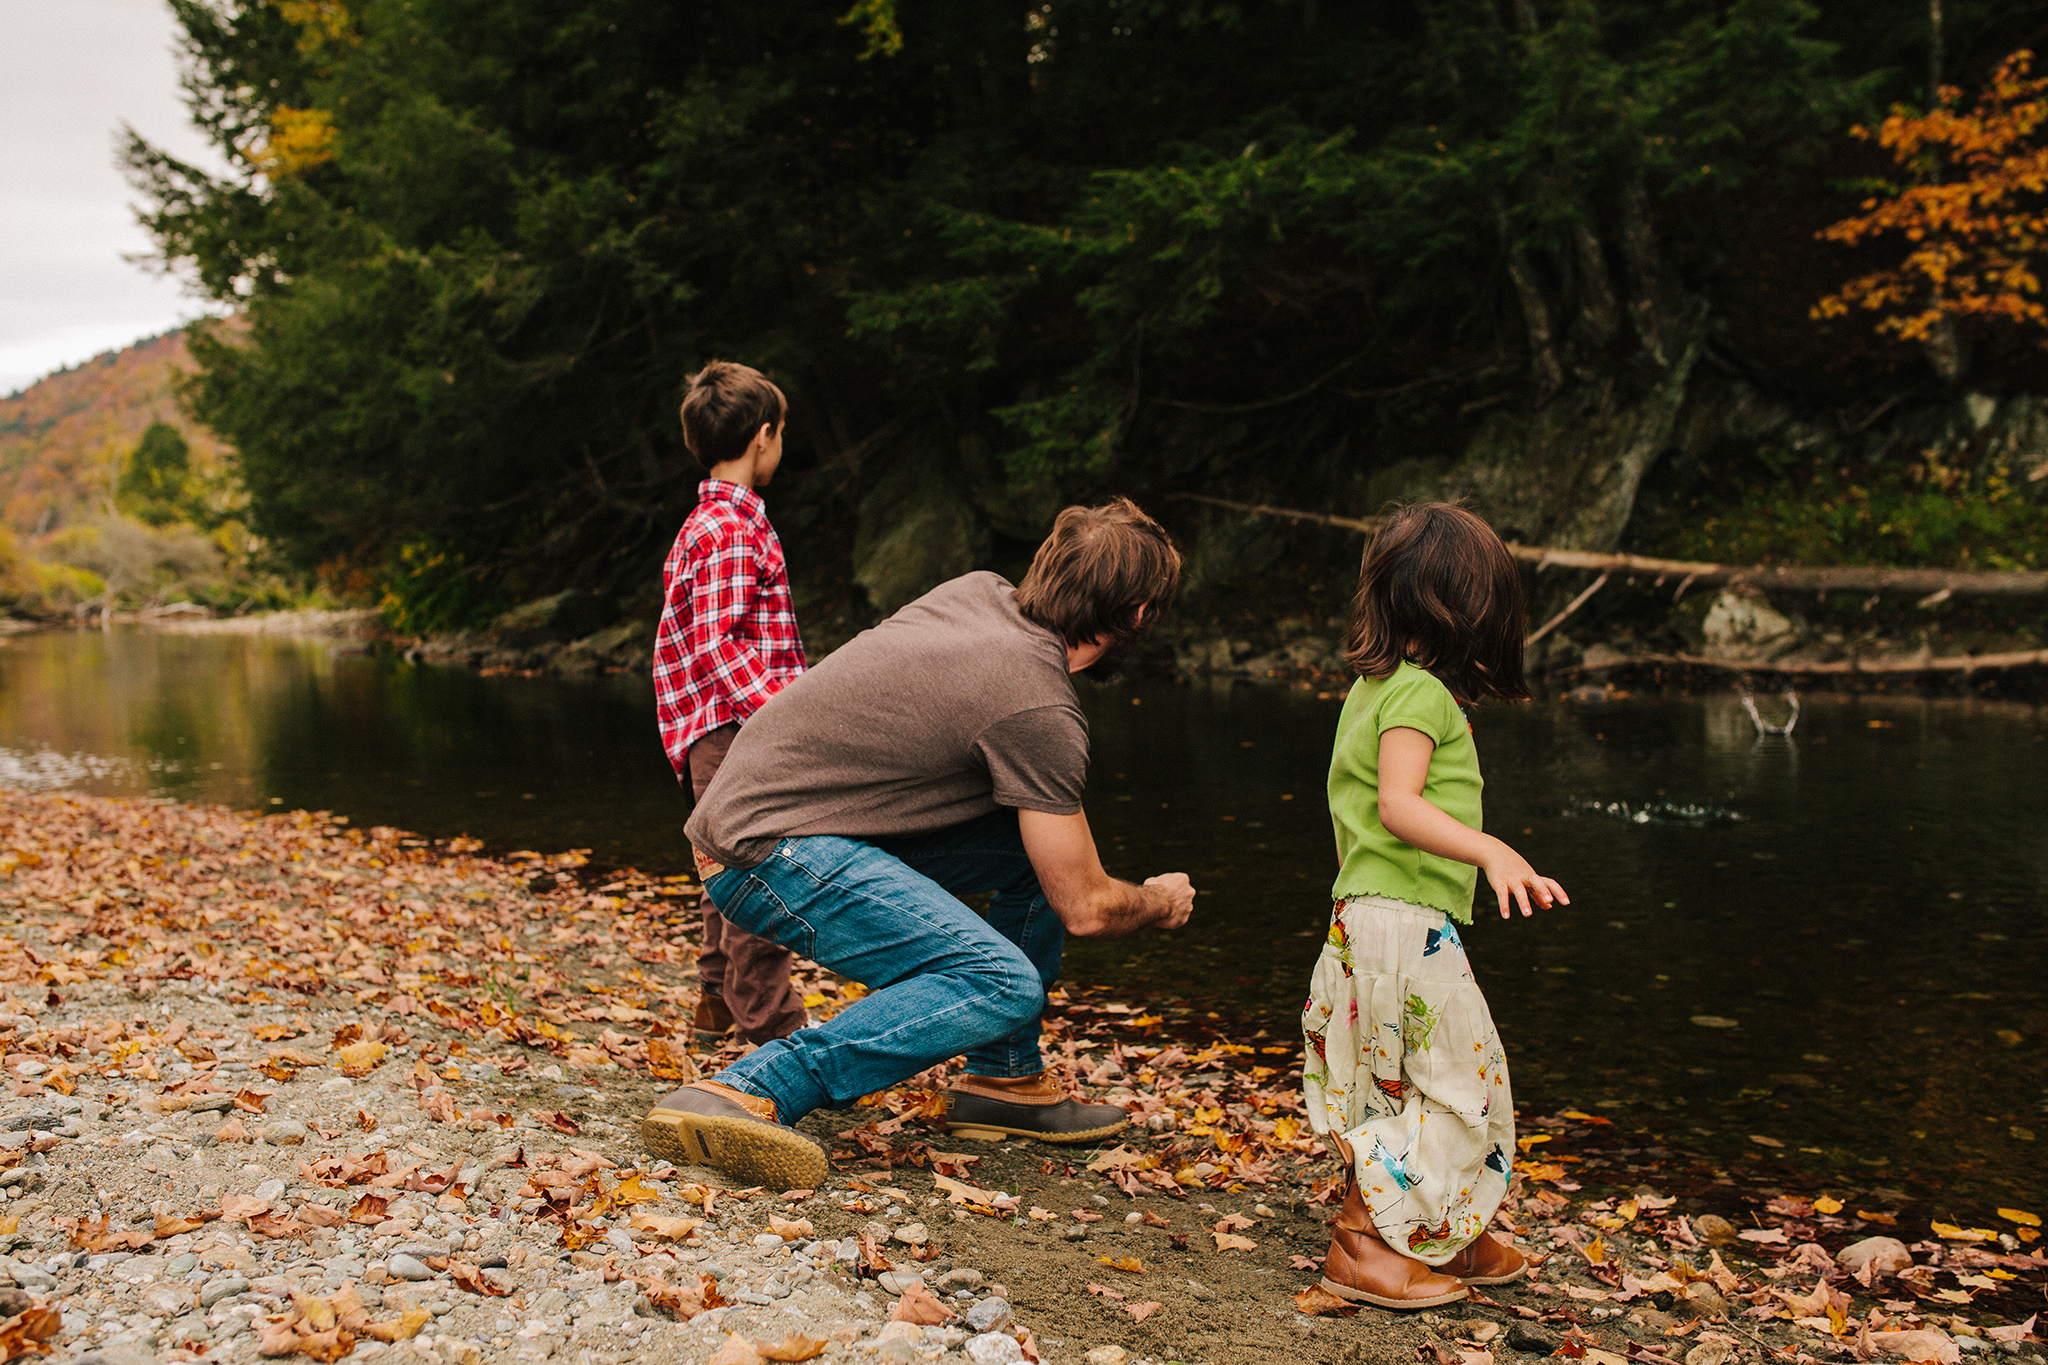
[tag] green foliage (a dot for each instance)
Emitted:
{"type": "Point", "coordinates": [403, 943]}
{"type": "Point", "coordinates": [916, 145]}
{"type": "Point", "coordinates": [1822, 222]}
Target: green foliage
{"type": "Point", "coordinates": [157, 484]}
{"type": "Point", "coordinates": [1919, 512]}
{"type": "Point", "coordinates": [1120, 242]}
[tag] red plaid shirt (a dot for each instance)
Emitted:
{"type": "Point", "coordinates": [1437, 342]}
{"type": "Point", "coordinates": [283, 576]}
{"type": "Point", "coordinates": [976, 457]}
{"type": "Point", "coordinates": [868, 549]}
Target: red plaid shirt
{"type": "Point", "coordinates": [728, 639]}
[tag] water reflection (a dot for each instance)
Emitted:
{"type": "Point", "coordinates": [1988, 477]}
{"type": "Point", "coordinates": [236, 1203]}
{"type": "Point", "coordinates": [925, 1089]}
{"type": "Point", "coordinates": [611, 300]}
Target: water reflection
{"type": "Point", "coordinates": [1862, 900]}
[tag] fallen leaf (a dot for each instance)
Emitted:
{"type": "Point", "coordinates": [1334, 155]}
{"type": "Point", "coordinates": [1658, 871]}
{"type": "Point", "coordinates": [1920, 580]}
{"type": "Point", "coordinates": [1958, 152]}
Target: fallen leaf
{"type": "Point", "coordinates": [919, 1305]}
{"type": "Point", "coordinates": [560, 1122]}
{"type": "Point", "coordinates": [631, 1191]}
{"type": "Point", "coordinates": [664, 1226]}
{"type": "Point", "coordinates": [2014, 1332]}
{"type": "Point", "coordinates": [1319, 1302]}
{"type": "Point", "coordinates": [1774, 1237]}
{"type": "Point", "coordinates": [1104, 1291]}
{"type": "Point", "coordinates": [1140, 1311]}
{"type": "Point", "coordinates": [789, 1229]}
{"type": "Point", "coordinates": [793, 1347]}
{"type": "Point", "coordinates": [1595, 1252]}
{"type": "Point", "coordinates": [471, 1278]}
{"type": "Point", "coordinates": [1230, 1241]}
{"type": "Point", "coordinates": [321, 1215]}
{"type": "Point", "coordinates": [240, 1208]}
{"type": "Point", "coordinates": [1130, 1265]}
{"type": "Point", "coordinates": [399, 1329]}
{"type": "Point", "coordinates": [736, 1350]}
{"type": "Point", "coordinates": [1827, 1205]}
{"type": "Point", "coordinates": [1950, 1232]}
{"type": "Point", "coordinates": [2021, 1216]}
{"type": "Point", "coordinates": [1153, 1220]}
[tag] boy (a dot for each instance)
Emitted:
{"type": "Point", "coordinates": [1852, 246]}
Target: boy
{"type": "Point", "coordinates": [727, 643]}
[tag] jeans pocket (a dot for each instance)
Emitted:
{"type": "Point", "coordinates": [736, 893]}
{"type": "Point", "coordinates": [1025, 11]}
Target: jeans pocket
{"type": "Point", "coordinates": [748, 903]}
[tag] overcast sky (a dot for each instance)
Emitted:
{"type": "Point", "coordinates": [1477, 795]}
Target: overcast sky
{"type": "Point", "coordinates": [71, 73]}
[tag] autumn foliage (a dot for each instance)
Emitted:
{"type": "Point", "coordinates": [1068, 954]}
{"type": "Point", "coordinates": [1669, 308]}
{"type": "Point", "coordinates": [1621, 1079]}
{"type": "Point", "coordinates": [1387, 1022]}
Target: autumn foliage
{"type": "Point", "coordinates": [1975, 215]}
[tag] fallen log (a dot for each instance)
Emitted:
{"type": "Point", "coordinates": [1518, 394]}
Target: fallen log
{"type": "Point", "coordinates": [1932, 585]}
{"type": "Point", "coordinates": [1919, 663]}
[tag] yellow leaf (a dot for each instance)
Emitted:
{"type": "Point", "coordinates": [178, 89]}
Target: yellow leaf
{"type": "Point", "coordinates": [399, 1329]}
{"type": "Point", "coordinates": [1526, 1143]}
{"type": "Point", "coordinates": [1596, 1252]}
{"type": "Point", "coordinates": [788, 1229]}
{"type": "Point", "coordinates": [1827, 1204]}
{"type": "Point", "coordinates": [1130, 1265]}
{"type": "Point", "coordinates": [357, 1059]}
{"type": "Point", "coordinates": [664, 1227]}
{"type": "Point", "coordinates": [2032, 1220]}
{"type": "Point", "coordinates": [631, 1191]}
{"type": "Point", "coordinates": [1951, 1232]}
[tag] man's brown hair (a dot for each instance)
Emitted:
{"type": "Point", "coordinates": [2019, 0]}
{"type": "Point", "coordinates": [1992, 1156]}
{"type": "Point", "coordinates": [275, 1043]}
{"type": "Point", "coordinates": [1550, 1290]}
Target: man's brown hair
{"type": "Point", "coordinates": [725, 406]}
{"type": "Point", "coordinates": [1096, 570]}
{"type": "Point", "coordinates": [1438, 589]}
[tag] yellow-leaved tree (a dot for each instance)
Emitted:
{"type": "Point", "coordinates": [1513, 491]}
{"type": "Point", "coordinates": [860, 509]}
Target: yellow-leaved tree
{"type": "Point", "coordinates": [1974, 215]}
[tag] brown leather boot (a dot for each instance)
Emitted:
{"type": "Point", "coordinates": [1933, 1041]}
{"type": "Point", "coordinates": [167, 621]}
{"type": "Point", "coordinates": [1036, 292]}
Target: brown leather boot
{"type": "Point", "coordinates": [1487, 1261]}
{"type": "Point", "coordinates": [713, 1018]}
{"type": "Point", "coordinates": [1362, 1268]}
{"type": "Point", "coordinates": [993, 1107]}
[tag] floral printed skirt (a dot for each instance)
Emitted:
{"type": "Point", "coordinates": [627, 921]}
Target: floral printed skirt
{"type": "Point", "coordinates": [1404, 1064]}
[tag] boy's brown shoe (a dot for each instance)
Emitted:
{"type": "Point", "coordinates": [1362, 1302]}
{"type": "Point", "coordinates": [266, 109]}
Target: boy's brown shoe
{"type": "Point", "coordinates": [714, 1017]}
{"type": "Point", "coordinates": [708, 1124]}
{"type": "Point", "coordinates": [993, 1107]}
{"type": "Point", "coordinates": [1362, 1268]}
{"type": "Point", "coordinates": [1487, 1261]}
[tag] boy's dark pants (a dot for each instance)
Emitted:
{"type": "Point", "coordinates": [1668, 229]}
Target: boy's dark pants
{"type": "Point", "coordinates": [752, 974]}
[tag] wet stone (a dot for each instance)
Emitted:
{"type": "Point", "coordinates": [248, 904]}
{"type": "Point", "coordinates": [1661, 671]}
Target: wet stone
{"type": "Point", "coordinates": [1527, 1336]}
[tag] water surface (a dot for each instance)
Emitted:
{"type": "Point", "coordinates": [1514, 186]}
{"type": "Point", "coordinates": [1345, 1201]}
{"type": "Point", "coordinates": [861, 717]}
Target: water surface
{"type": "Point", "coordinates": [1857, 910]}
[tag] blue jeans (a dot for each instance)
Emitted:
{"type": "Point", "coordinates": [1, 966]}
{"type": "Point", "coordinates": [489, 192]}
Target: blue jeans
{"type": "Point", "coordinates": [944, 981]}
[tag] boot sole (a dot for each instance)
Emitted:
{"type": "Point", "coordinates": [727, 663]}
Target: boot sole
{"type": "Point", "coordinates": [1350, 1295]}
{"type": "Point", "coordinates": [1517, 1273]}
{"type": "Point", "coordinates": [751, 1152]}
{"type": "Point", "coordinates": [990, 1132]}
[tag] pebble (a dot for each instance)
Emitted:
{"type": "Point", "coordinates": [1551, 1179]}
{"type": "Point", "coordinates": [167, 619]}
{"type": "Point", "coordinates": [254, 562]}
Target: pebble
{"type": "Point", "coordinates": [14, 1301]}
{"type": "Point", "coordinates": [988, 1315]}
{"type": "Point", "coordinates": [993, 1348]}
{"type": "Point", "coordinates": [1527, 1336]}
{"type": "Point", "coordinates": [912, 1234]}
{"type": "Point", "coordinates": [284, 1132]}
{"type": "Point", "coordinates": [768, 1240]}
{"type": "Point", "coordinates": [1074, 1232]}
{"type": "Point", "coordinates": [271, 1190]}
{"type": "Point", "coordinates": [404, 1267]}
{"type": "Point", "coordinates": [14, 1142]}
{"type": "Point", "coordinates": [166, 1300]}
{"type": "Point", "coordinates": [1713, 1229]}
{"type": "Point", "coordinates": [211, 1104]}
{"type": "Point", "coordinates": [423, 1249]}
{"type": "Point", "coordinates": [962, 1277]}
{"type": "Point", "coordinates": [216, 1290]}
{"type": "Point", "coordinates": [181, 1265]}
{"type": "Point", "coordinates": [1200, 1292]}
{"type": "Point", "coordinates": [1108, 1355]}
{"type": "Point", "coordinates": [34, 1277]}
{"type": "Point", "coordinates": [896, 1281]}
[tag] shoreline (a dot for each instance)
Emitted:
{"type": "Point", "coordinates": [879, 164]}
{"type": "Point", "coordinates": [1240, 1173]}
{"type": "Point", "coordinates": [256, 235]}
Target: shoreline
{"type": "Point", "coordinates": [532, 999]}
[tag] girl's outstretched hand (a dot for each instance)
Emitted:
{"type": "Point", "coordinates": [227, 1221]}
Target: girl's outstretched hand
{"type": "Point", "coordinates": [1510, 875]}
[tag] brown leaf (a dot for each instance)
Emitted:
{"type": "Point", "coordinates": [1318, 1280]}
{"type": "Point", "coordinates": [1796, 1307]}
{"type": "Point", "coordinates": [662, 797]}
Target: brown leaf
{"type": "Point", "coordinates": [1153, 1220]}
{"type": "Point", "coordinates": [666, 1227]}
{"type": "Point", "coordinates": [26, 1332]}
{"type": "Point", "coordinates": [669, 1063]}
{"type": "Point", "coordinates": [1319, 1302]}
{"type": "Point", "coordinates": [558, 1121]}
{"type": "Point", "coordinates": [370, 1208]}
{"type": "Point", "coordinates": [276, 1225]}
{"type": "Point", "coordinates": [1140, 1311]}
{"type": "Point", "coordinates": [792, 1347]}
{"type": "Point", "coordinates": [788, 1229]}
{"type": "Point", "coordinates": [469, 1277]}
{"type": "Point", "coordinates": [240, 1208]}
{"type": "Point", "coordinates": [921, 1306]}
{"type": "Point", "coordinates": [252, 1100]}
{"type": "Point", "coordinates": [170, 1225]}
{"type": "Point", "coordinates": [232, 1131]}
{"type": "Point", "coordinates": [1230, 1241]}
{"type": "Point", "coordinates": [366, 1120]}
{"type": "Point", "coordinates": [320, 1215]}
{"type": "Point", "coordinates": [327, 1346]}
{"type": "Point", "coordinates": [736, 1350]}
{"type": "Point", "coordinates": [1130, 1265]}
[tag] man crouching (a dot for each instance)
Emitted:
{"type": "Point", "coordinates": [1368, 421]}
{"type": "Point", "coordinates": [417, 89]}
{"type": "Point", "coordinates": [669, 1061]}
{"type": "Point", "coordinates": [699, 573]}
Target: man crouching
{"type": "Point", "coordinates": [940, 754]}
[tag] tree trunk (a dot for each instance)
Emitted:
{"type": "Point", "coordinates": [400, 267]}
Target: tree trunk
{"type": "Point", "coordinates": [1596, 286]}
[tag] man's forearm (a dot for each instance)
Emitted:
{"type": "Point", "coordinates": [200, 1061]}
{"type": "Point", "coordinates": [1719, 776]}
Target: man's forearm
{"type": "Point", "coordinates": [1115, 909]}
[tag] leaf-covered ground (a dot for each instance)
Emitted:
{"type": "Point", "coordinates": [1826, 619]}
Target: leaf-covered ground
{"type": "Point", "coordinates": [285, 1087]}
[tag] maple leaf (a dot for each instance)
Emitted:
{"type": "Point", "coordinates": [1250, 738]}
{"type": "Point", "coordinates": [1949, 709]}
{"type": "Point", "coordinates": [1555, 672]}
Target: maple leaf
{"type": "Point", "coordinates": [1317, 1302]}
{"type": "Point", "coordinates": [1140, 1311]}
{"type": "Point", "coordinates": [792, 1347]}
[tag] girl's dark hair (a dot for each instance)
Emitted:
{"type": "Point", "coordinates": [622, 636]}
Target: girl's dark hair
{"type": "Point", "coordinates": [1437, 588]}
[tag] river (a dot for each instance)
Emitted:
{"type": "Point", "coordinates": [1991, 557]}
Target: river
{"type": "Point", "coordinates": [1834, 941]}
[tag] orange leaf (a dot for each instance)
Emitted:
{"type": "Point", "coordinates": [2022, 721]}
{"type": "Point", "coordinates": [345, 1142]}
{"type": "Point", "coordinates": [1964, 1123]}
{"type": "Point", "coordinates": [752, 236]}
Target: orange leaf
{"type": "Point", "coordinates": [1318, 1302]}
{"type": "Point", "coordinates": [1130, 1265]}
{"type": "Point", "coordinates": [792, 1347]}
{"type": "Point", "coordinates": [921, 1306]}
{"type": "Point", "coordinates": [1140, 1311]}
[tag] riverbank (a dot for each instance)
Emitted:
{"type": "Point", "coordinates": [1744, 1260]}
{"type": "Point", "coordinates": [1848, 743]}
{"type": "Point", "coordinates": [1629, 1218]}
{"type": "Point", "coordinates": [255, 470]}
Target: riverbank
{"type": "Point", "coordinates": [263, 1065]}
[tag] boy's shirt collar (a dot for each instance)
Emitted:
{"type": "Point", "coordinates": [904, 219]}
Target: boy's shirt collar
{"type": "Point", "coordinates": [738, 494]}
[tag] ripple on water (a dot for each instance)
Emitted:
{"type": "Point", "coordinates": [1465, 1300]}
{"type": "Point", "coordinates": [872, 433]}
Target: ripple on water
{"type": "Point", "coordinates": [44, 770]}
{"type": "Point", "coordinates": [1656, 812]}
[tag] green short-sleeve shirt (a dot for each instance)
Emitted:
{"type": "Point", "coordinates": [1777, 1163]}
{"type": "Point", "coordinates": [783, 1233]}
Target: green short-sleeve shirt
{"type": "Point", "coordinates": [1374, 862]}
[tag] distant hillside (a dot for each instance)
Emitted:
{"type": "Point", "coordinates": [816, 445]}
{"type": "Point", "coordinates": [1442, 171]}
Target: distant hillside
{"type": "Point", "coordinates": [62, 439]}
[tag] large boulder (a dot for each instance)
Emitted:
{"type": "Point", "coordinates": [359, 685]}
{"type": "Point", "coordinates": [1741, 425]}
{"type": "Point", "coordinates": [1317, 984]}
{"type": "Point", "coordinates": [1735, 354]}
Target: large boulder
{"type": "Point", "coordinates": [916, 530]}
{"type": "Point", "coordinates": [568, 615]}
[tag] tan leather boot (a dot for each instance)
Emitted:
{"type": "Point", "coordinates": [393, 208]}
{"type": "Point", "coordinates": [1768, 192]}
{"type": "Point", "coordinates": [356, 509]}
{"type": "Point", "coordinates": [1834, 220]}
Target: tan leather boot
{"type": "Point", "coordinates": [1487, 1261]}
{"type": "Point", "coordinates": [1362, 1268]}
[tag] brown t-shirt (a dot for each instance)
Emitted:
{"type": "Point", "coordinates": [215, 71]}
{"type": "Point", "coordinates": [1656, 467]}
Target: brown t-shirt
{"type": "Point", "coordinates": [952, 707]}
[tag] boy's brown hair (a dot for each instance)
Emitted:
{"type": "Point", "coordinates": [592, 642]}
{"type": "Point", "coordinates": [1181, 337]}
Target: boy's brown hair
{"type": "Point", "coordinates": [1438, 589]}
{"type": "Point", "coordinates": [725, 406]}
{"type": "Point", "coordinates": [1096, 570]}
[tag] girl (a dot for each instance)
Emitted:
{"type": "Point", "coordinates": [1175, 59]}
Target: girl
{"type": "Point", "coordinates": [1405, 1073]}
